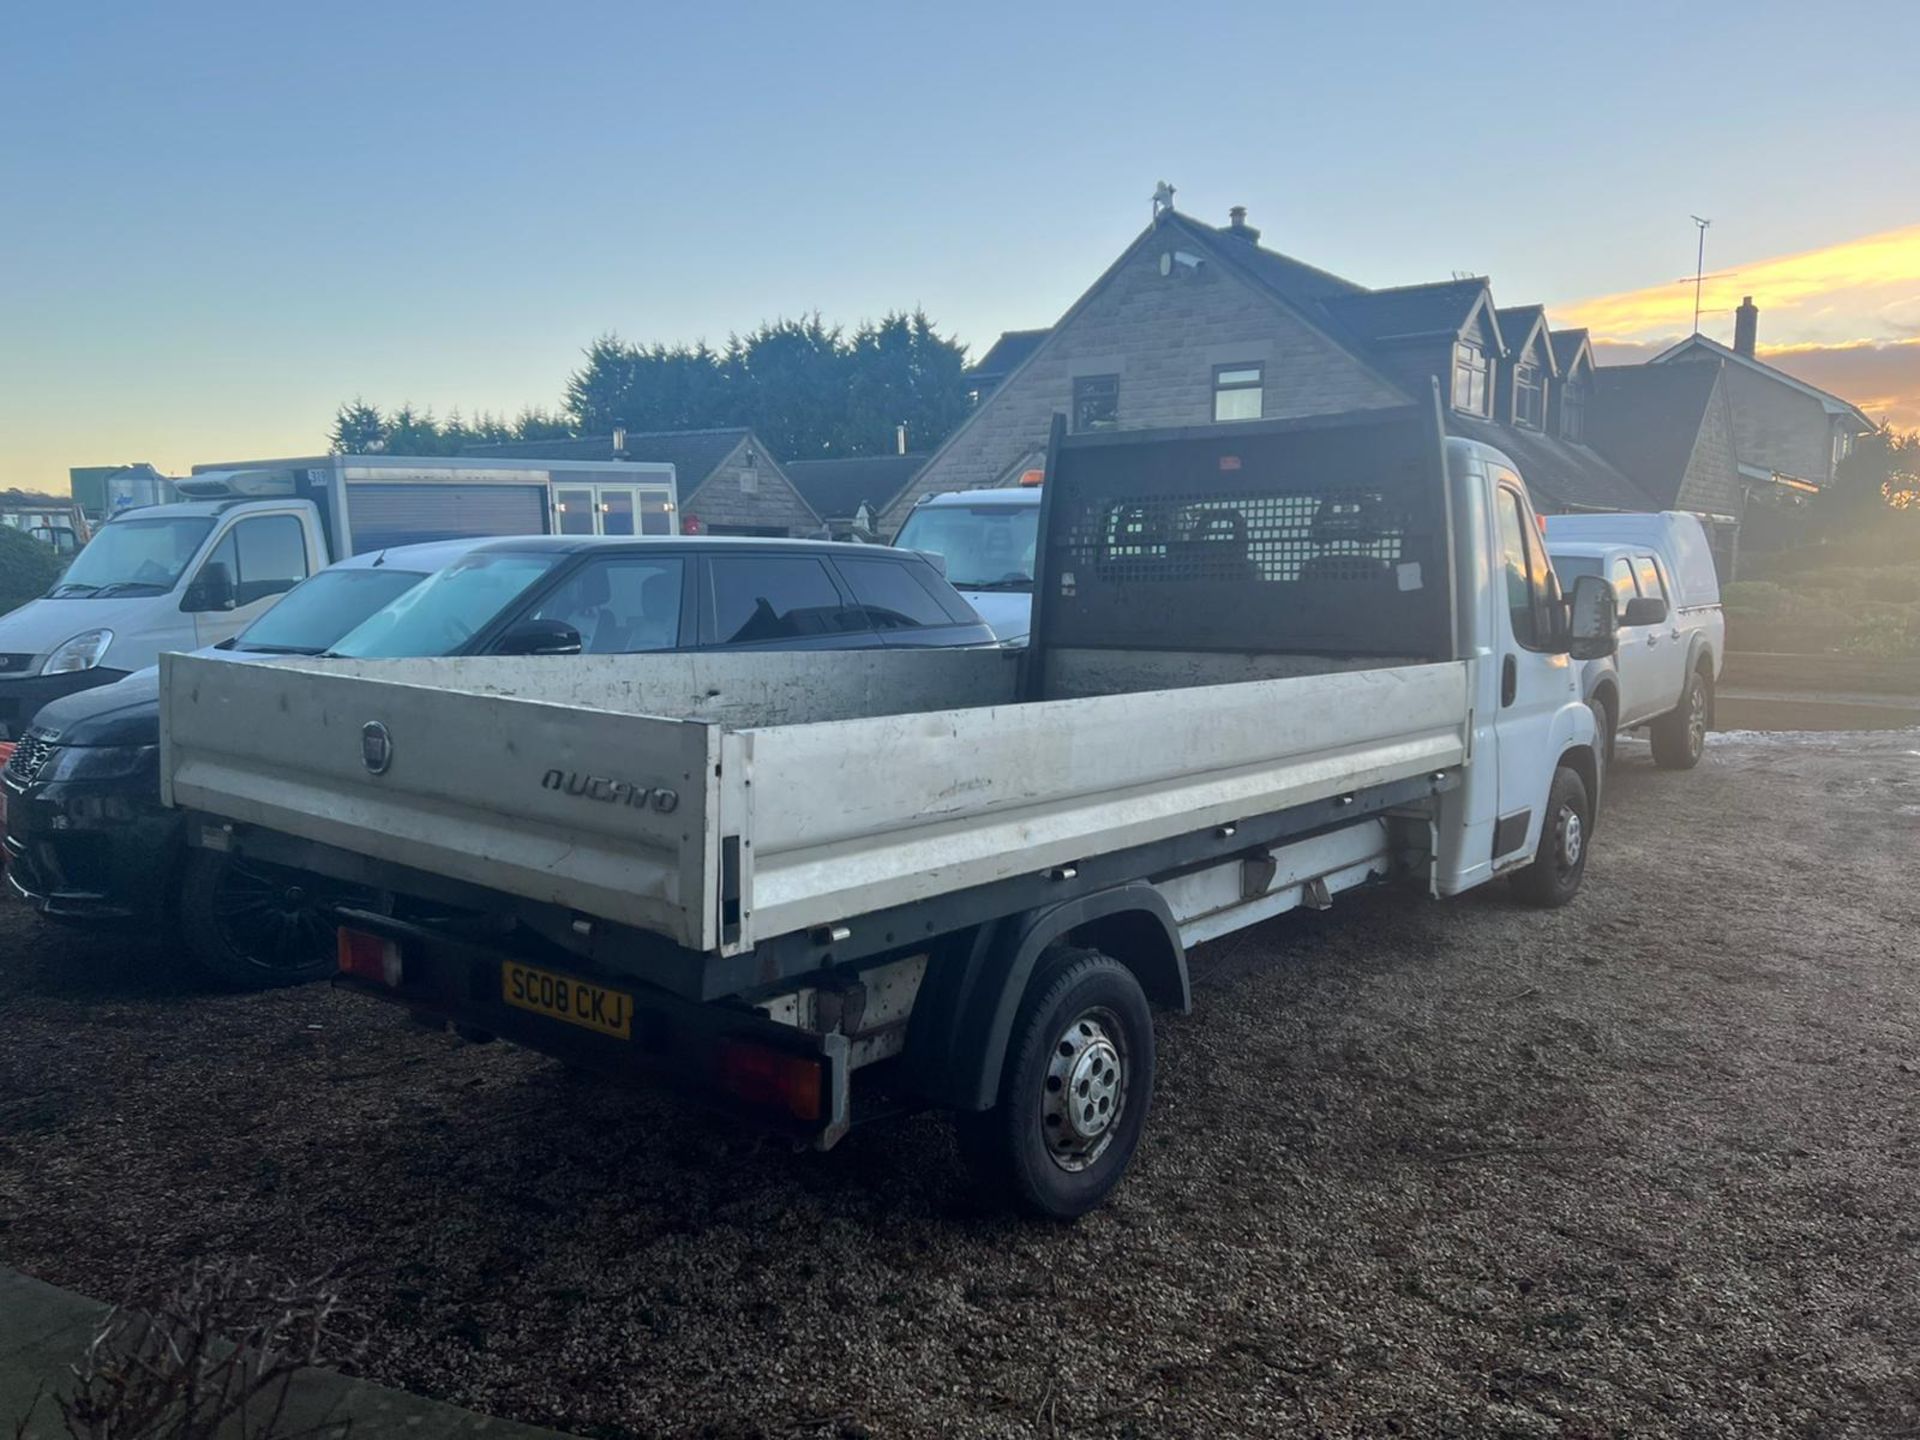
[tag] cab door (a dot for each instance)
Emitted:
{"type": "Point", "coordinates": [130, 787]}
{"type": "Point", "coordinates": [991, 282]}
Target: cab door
{"type": "Point", "coordinates": [1664, 646]}
{"type": "Point", "coordinates": [264, 557]}
{"type": "Point", "coordinates": [1536, 683]}
{"type": "Point", "coordinates": [1633, 664]}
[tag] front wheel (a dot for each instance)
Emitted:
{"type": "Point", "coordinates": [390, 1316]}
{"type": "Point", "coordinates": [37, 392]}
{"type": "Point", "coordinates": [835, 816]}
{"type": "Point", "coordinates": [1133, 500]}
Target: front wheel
{"type": "Point", "coordinates": [257, 925]}
{"type": "Point", "coordinates": [1680, 736]}
{"type": "Point", "coordinates": [1560, 859]}
{"type": "Point", "coordinates": [1075, 1091]}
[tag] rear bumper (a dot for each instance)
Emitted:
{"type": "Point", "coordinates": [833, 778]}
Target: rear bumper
{"type": "Point", "coordinates": [683, 1045]}
{"type": "Point", "coordinates": [20, 700]}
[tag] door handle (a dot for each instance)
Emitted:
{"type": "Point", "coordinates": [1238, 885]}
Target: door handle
{"type": "Point", "coordinates": [1673, 634]}
{"type": "Point", "coordinates": [1653, 638]}
{"type": "Point", "coordinates": [1509, 680]}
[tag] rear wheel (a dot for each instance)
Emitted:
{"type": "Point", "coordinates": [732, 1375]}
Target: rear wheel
{"type": "Point", "coordinates": [1680, 736]}
{"type": "Point", "coordinates": [1075, 1091]}
{"type": "Point", "coordinates": [1560, 859]}
{"type": "Point", "coordinates": [258, 925]}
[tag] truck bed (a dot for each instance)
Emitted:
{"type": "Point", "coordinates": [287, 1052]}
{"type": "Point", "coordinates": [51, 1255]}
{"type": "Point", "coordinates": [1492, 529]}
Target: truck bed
{"type": "Point", "coordinates": [723, 800]}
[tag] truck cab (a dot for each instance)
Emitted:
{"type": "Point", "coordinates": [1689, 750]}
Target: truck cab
{"type": "Point", "coordinates": [166, 577]}
{"type": "Point", "coordinates": [1672, 635]}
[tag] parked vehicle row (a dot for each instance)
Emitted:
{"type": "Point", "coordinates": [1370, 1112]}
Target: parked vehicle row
{"type": "Point", "coordinates": [189, 574]}
{"type": "Point", "coordinates": [1266, 666]}
{"type": "Point", "coordinates": [1227, 675]}
{"type": "Point", "coordinates": [89, 842]}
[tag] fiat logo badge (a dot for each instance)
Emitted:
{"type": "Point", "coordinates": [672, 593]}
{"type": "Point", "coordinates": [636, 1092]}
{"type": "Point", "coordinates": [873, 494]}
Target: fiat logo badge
{"type": "Point", "coordinates": [376, 747]}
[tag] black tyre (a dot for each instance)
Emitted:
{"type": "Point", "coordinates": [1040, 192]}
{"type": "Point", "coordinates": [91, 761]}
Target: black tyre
{"type": "Point", "coordinates": [1602, 750]}
{"type": "Point", "coordinates": [1680, 736]}
{"type": "Point", "coordinates": [1604, 722]}
{"type": "Point", "coordinates": [260, 926]}
{"type": "Point", "coordinates": [1560, 860]}
{"type": "Point", "coordinates": [1076, 1088]}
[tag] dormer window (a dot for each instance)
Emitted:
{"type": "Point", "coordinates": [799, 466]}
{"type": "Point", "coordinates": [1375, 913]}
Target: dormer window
{"type": "Point", "coordinates": [1573, 412]}
{"type": "Point", "coordinates": [1472, 378]}
{"type": "Point", "coordinates": [1529, 396]}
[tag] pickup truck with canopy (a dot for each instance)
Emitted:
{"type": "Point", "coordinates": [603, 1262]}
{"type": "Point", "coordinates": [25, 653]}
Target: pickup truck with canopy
{"type": "Point", "coordinates": [1270, 662]}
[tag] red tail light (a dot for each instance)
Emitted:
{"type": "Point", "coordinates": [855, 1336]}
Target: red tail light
{"type": "Point", "coordinates": [773, 1078]}
{"type": "Point", "coordinates": [369, 957]}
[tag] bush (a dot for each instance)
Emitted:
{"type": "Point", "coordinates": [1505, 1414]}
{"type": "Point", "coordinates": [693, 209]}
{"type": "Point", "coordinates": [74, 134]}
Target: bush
{"type": "Point", "coordinates": [27, 568]}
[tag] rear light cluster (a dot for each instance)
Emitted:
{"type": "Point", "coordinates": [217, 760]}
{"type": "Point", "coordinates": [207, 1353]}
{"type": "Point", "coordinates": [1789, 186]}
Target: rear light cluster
{"type": "Point", "coordinates": [370, 957]}
{"type": "Point", "coordinates": [773, 1078]}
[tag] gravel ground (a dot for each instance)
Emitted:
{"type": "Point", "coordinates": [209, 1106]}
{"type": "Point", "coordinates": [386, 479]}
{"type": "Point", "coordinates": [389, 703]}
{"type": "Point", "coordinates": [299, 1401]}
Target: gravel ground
{"type": "Point", "coordinates": [1645, 1166]}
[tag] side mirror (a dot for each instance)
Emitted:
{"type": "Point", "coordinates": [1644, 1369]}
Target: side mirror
{"type": "Point", "coordinates": [539, 637]}
{"type": "Point", "coordinates": [212, 588]}
{"type": "Point", "coordinates": [1593, 619]}
{"type": "Point", "coordinates": [1645, 610]}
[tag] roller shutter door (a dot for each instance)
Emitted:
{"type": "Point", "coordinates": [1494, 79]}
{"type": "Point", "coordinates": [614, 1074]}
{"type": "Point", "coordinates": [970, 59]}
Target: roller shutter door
{"type": "Point", "coordinates": [383, 515]}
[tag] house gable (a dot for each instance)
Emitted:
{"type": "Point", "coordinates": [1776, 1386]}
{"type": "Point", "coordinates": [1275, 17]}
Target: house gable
{"type": "Point", "coordinates": [1176, 307]}
{"type": "Point", "coordinates": [748, 491]}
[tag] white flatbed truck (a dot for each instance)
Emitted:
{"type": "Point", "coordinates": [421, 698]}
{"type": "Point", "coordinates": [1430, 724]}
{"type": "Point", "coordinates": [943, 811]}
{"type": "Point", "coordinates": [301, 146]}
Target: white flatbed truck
{"type": "Point", "coordinates": [1269, 663]}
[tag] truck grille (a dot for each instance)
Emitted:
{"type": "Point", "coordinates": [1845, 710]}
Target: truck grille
{"type": "Point", "coordinates": [30, 755]}
{"type": "Point", "coordinates": [15, 664]}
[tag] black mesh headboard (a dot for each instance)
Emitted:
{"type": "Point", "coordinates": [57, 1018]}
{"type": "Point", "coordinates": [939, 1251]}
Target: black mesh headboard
{"type": "Point", "coordinates": [1325, 536]}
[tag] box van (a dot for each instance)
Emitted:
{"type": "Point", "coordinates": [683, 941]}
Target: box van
{"type": "Point", "coordinates": [1673, 635]}
{"type": "Point", "coordinates": [186, 575]}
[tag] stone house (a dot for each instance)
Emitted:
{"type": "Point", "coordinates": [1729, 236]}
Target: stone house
{"type": "Point", "coordinates": [1196, 325]}
{"type": "Point", "coordinates": [1791, 436]}
{"type": "Point", "coordinates": [728, 481]}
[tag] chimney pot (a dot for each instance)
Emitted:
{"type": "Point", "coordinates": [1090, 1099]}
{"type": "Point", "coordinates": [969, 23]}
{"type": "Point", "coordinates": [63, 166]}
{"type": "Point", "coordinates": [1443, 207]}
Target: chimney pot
{"type": "Point", "coordinates": [1237, 225]}
{"type": "Point", "coordinates": [1746, 327]}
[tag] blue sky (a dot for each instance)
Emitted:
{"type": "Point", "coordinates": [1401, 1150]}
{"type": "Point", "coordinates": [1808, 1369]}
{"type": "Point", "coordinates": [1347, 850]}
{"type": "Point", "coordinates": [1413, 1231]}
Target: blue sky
{"type": "Point", "coordinates": [219, 220]}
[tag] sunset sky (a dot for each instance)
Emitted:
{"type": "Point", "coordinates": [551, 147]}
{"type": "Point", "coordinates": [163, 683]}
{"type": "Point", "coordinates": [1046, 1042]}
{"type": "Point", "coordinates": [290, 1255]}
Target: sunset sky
{"type": "Point", "coordinates": [1845, 317]}
{"type": "Point", "coordinates": [219, 219]}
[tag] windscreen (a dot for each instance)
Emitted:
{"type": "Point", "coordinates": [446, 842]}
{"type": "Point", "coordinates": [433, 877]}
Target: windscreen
{"type": "Point", "coordinates": [319, 611]}
{"type": "Point", "coordinates": [135, 557]}
{"type": "Point", "coordinates": [985, 546]}
{"type": "Point", "coordinates": [1308, 538]}
{"type": "Point", "coordinates": [442, 614]}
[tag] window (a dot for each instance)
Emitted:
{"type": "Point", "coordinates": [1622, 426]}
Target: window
{"type": "Point", "coordinates": [1842, 447]}
{"type": "Point", "coordinates": [1237, 392]}
{"type": "Point", "coordinates": [620, 605]}
{"type": "Point", "coordinates": [1530, 397]}
{"type": "Point", "coordinates": [985, 546]}
{"type": "Point", "coordinates": [1648, 570]}
{"type": "Point", "coordinates": [319, 612]}
{"type": "Point", "coordinates": [441, 614]}
{"type": "Point", "coordinates": [144, 553]}
{"type": "Point", "coordinates": [1096, 403]}
{"type": "Point", "coordinates": [778, 597]}
{"type": "Point", "coordinates": [1528, 584]}
{"type": "Point", "coordinates": [892, 595]}
{"type": "Point", "coordinates": [265, 556]}
{"type": "Point", "coordinates": [749, 473]}
{"type": "Point", "coordinates": [1624, 589]}
{"type": "Point", "coordinates": [1472, 378]}
{"type": "Point", "coordinates": [574, 511]}
{"type": "Point", "coordinates": [1573, 412]}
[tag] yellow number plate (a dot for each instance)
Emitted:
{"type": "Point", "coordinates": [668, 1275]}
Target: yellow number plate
{"type": "Point", "coordinates": [560, 997]}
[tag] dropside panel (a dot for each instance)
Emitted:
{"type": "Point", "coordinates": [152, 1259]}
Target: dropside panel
{"type": "Point", "coordinates": [603, 813]}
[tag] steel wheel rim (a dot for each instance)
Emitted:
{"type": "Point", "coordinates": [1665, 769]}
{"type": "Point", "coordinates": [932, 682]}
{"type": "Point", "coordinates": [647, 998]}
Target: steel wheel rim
{"type": "Point", "coordinates": [1084, 1094]}
{"type": "Point", "coordinates": [269, 918]}
{"type": "Point", "coordinates": [1572, 839]}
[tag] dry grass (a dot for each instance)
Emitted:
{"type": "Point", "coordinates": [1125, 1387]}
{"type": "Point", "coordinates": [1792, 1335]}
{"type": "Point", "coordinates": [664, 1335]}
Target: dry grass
{"type": "Point", "coordinates": [1645, 1166]}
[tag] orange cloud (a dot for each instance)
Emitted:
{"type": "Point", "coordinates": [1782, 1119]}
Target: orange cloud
{"type": "Point", "coordinates": [1845, 317]}
{"type": "Point", "coordinates": [1864, 290]}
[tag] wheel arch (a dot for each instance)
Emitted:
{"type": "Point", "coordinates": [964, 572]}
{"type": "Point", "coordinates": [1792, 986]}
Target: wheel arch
{"type": "Point", "coordinates": [957, 1038]}
{"type": "Point", "coordinates": [1579, 759]}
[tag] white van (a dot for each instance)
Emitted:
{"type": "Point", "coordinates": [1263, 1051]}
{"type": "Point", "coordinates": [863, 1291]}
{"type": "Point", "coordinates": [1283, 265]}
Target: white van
{"type": "Point", "coordinates": [1673, 635]}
